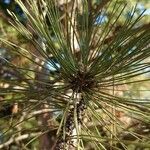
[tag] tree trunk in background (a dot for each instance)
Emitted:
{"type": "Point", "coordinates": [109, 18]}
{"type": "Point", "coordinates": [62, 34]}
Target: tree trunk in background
{"type": "Point", "coordinates": [48, 139]}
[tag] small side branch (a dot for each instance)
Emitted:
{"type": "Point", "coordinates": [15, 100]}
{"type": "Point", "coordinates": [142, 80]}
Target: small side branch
{"type": "Point", "coordinates": [19, 138]}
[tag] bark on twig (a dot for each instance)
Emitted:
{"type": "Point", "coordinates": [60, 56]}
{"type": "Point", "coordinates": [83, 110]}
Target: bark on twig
{"type": "Point", "coordinates": [70, 128]}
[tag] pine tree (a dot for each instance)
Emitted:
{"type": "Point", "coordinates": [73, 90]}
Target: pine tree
{"type": "Point", "coordinates": [82, 56]}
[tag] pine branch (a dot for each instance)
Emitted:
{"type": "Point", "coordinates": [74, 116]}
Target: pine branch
{"type": "Point", "coordinates": [70, 127]}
